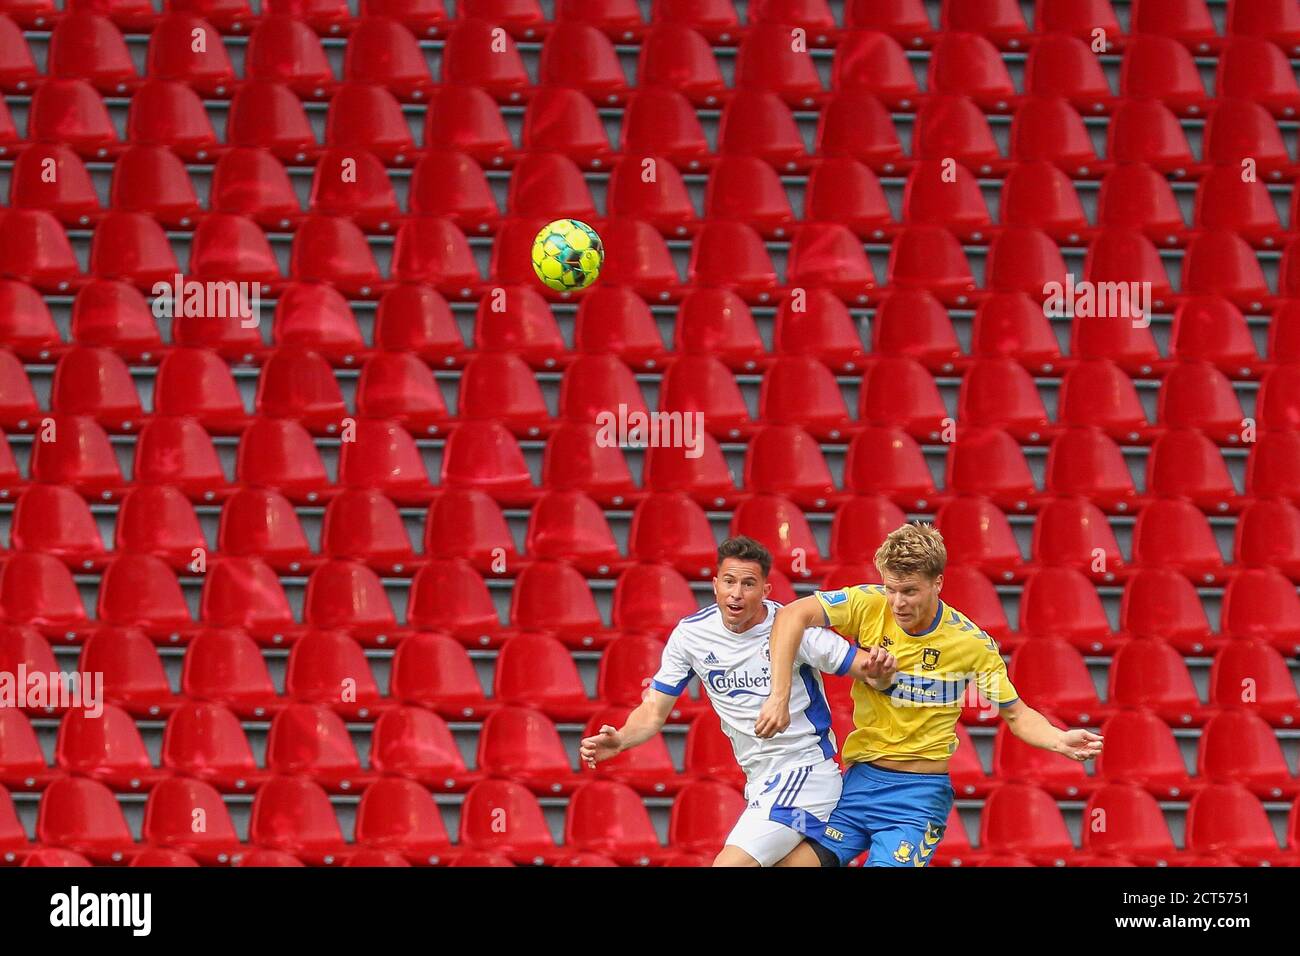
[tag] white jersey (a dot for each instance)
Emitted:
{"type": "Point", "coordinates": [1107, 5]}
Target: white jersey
{"type": "Point", "coordinates": [735, 670]}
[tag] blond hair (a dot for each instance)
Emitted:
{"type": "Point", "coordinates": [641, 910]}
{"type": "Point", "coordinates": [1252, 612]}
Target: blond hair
{"type": "Point", "coordinates": [913, 549]}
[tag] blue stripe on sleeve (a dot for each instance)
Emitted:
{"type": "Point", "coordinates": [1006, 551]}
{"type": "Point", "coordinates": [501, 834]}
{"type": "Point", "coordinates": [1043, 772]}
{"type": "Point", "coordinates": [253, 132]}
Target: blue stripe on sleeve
{"type": "Point", "coordinates": [847, 662]}
{"type": "Point", "coordinates": [669, 689]}
{"type": "Point", "coordinates": [818, 712]}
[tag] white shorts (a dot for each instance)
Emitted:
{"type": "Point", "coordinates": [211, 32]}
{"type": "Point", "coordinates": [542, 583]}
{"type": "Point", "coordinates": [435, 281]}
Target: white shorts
{"type": "Point", "coordinates": [783, 807]}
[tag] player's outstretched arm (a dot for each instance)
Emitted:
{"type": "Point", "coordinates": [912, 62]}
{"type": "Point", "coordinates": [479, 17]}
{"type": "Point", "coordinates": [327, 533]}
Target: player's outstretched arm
{"type": "Point", "coordinates": [1035, 729]}
{"type": "Point", "coordinates": [787, 631]}
{"type": "Point", "coordinates": [642, 724]}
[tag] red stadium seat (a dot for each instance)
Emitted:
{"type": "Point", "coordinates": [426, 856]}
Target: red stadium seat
{"type": "Point", "coordinates": [975, 594]}
{"type": "Point", "coordinates": [999, 20]}
{"type": "Point", "coordinates": [931, 258]}
{"type": "Point", "coordinates": [1226, 819]}
{"type": "Point", "coordinates": [51, 177]}
{"type": "Point", "coordinates": [608, 817]}
{"type": "Point", "coordinates": [1061, 602]}
{"type": "Point", "coordinates": [162, 113]}
{"type": "Point", "coordinates": [324, 16]}
{"type": "Point", "coordinates": [1151, 674]}
{"type": "Point", "coordinates": [786, 460]}
{"type": "Point", "coordinates": [141, 591]}
{"type": "Point", "coordinates": [522, 745]}
{"type": "Point", "coordinates": [855, 125]}
{"type": "Point", "coordinates": [170, 822]}
{"type": "Point", "coordinates": [767, 61]}
{"type": "Point", "coordinates": [1025, 259]}
{"type": "Point", "coordinates": [912, 323]}
{"type": "Point", "coordinates": [298, 385]}
{"type": "Point", "coordinates": [501, 816]}
{"type": "Point", "coordinates": [576, 54]}
{"type": "Point", "coordinates": [718, 322]}
{"type": "Point", "coordinates": [758, 123]}
{"type": "Point", "coordinates": [415, 317]}
{"type": "Point", "coordinates": [1239, 747]}
{"type": "Point", "coordinates": [1127, 256]}
{"type": "Point", "coordinates": [565, 121]}
{"type": "Point", "coordinates": [676, 56]}
{"type": "Point", "coordinates": [27, 326]}
{"type": "Point", "coordinates": [173, 54]}
{"type": "Point", "coordinates": [383, 456]}
{"type": "Point", "coordinates": [1250, 675]}
{"type": "Point", "coordinates": [87, 46]}
{"type": "Point", "coordinates": [293, 815]}
{"type": "Point", "coordinates": [1036, 194]}
{"type": "Point", "coordinates": [106, 748]}
{"type": "Point", "coordinates": [553, 597]}
{"type": "Point", "coordinates": [384, 52]}
{"type": "Point", "coordinates": [1185, 463]}
{"type": "Point", "coordinates": [22, 761]}
{"type": "Point", "coordinates": [349, 596]}
{"type": "Point", "coordinates": [709, 753]}
{"type": "Point", "coordinates": [363, 525]}
{"type": "Point", "coordinates": [431, 670]}
{"type": "Point", "coordinates": [114, 315]}
{"type": "Point", "coordinates": [817, 323]}
{"type": "Point", "coordinates": [872, 62]}
{"type": "Point", "coordinates": [1017, 762]}
{"type": "Point", "coordinates": [71, 112]}
{"type": "Point", "coordinates": [661, 122]}
{"type": "Point", "coordinates": [1157, 67]}
{"type": "Point", "coordinates": [1135, 827]}
{"type": "Point", "coordinates": [780, 523]}
{"type": "Point", "coordinates": [133, 247]}
{"type": "Point", "coordinates": [180, 453]}
{"type": "Point", "coordinates": [159, 520]}
{"type": "Point", "coordinates": [615, 320]}
{"type": "Point", "coordinates": [1278, 408]}
{"type": "Point", "coordinates": [367, 116]}
{"type": "Point", "coordinates": [800, 390]}
{"type": "Point", "coordinates": [976, 533]}
{"type": "Point", "coordinates": [1212, 329]}
{"type": "Point", "coordinates": [245, 593]}
{"type": "Point", "coordinates": [400, 816]}
{"type": "Point", "coordinates": [536, 671]}
{"type": "Point", "coordinates": [267, 114]}
{"type": "Point", "coordinates": [670, 528]}
{"type": "Point", "coordinates": [1148, 132]}
{"type": "Point", "coordinates": [999, 393]}
{"type": "Point", "coordinates": [1162, 603]}
{"type": "Point", "coordinates": [467, 523]}
{"type": "Point", "coordinates": [206, 741]}
{"type": "Point", "coordinates": [34, 249]}
{"type": "Point", "coordinates": [986, 461]}
{"type": "Point", "coordinates": [328, 667]}
{"type": "Point", "coordinates": [449, 595]}
{"type": "Point", "coordinates": [969, 65]}
{"type": "Point", "coordinates": [1254, 68]}
{"type": "Point", "coordinates": [1260, 603]}
{"type": "Point", "coordinates": [1173, 533]}
{"type": "Point", "coordinates": [569, 526]}
{"type": "Point", "coordinates": [1141, 750]}
{"type": "Point", "coordinates": [702, 817]}
{"type": "Point", "coordinates": [259, 522]}
{"type": "Point", "coordinates": [225, 666]}
{"type": "Point", "coordinates": [54, 519]}
{"type": "Point", "coordinates": [37, 590]}
{"type": "Point", "coordinates": [1048, 128]}
{"type": "Point", "coordinates": [1073, 532]}
{"type": "Point", "coordinates": [703, 385]}
{"type": "Point", "coordinates": [312, 742]}
{"type": "Point", "coordinates": [1011, 324]}
{"type": "Point", "coordinates": [647, 769]}
{"type": "Point", "coordinates": [1196, 395]}
{"type": "Point", "coordinates": [1096, 393]}
{"type": "Point", "coordinates": [82, 815]}
{"type": "Point", "coordinates": [283, 49]}
{"type": "Point", "coordinates": [1136, 196]}
{"type": "Point", "coordinates": [317, 317]}
{"type": "Point", "coordinates": [952, 127]}
{"type": "Point", "coordinates": [520, 321]}
{"type": "Point", "coordinates": [352, 182]}
{"type": "Point", "coordinates": [131, 671]}
{"type": "Point", "coordinates": [887, 461]}
{"type": "Point", "coordinates": [414, 743]}
{"type": "Point", "coordinates": [19, 74]}
{"type": "Point", "coordinates": [1022, 818]}
{"type": "Point", "coordinates": [1053, 675]}
{"type": "Point", "coordinates": [250, 181]}
{"type": "Point", "coordinates": [467, 119]}
{"type": "Point", "coordinates": [649, 598]}
{"type": "Point", "coordinates": [1221, 263]}
{"type": "Point", "coordinates": [1268, 535]}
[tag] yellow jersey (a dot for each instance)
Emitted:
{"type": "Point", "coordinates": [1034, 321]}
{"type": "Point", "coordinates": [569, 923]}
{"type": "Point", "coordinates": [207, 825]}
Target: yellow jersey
{"type": "Point", "coordinates": [916, 718]}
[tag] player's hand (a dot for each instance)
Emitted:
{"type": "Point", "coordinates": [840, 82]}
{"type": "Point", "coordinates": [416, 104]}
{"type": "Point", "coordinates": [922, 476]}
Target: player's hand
{"type": "Point", "coordinates": [881, 664]}
{"type": "Point", "coordinates": [608, 743]}
{"type": "Point", "coordinates": [1080, 745]}
{"type": "Point", "coordinates": [773, 717]}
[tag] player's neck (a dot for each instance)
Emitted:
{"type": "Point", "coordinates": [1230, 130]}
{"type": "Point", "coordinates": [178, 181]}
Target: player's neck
{"type": "Point", "coordinates": [759, 617]}
{"type": "Point", "coordinates": [930, 620]}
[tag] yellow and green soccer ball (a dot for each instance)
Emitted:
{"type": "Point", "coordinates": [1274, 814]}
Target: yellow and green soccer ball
{"type": "Point", "coordinates": [567, 255]}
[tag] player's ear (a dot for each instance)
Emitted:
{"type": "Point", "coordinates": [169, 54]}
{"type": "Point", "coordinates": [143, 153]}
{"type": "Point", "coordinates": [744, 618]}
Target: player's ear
{"type": "Point", "coordinates": [938, 582]}
{"type": "Point", "coordinates": [767, 588]}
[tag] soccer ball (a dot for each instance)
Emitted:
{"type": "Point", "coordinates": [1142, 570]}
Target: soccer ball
{"type": "Point", "coordinates": [567, 254]}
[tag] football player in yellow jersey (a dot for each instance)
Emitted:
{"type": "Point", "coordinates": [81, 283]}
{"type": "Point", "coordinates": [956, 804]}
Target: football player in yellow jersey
{"type": "Point", "coordinates": [897, 795]}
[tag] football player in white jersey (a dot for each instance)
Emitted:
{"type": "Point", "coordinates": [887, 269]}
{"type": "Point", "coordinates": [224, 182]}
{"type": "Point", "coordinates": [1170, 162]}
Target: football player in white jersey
{"type": "Point", "coordinates": [793, 780]}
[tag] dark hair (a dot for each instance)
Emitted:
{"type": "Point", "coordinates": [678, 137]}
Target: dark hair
{"type": "Point", "coordinates": [745, 549]}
